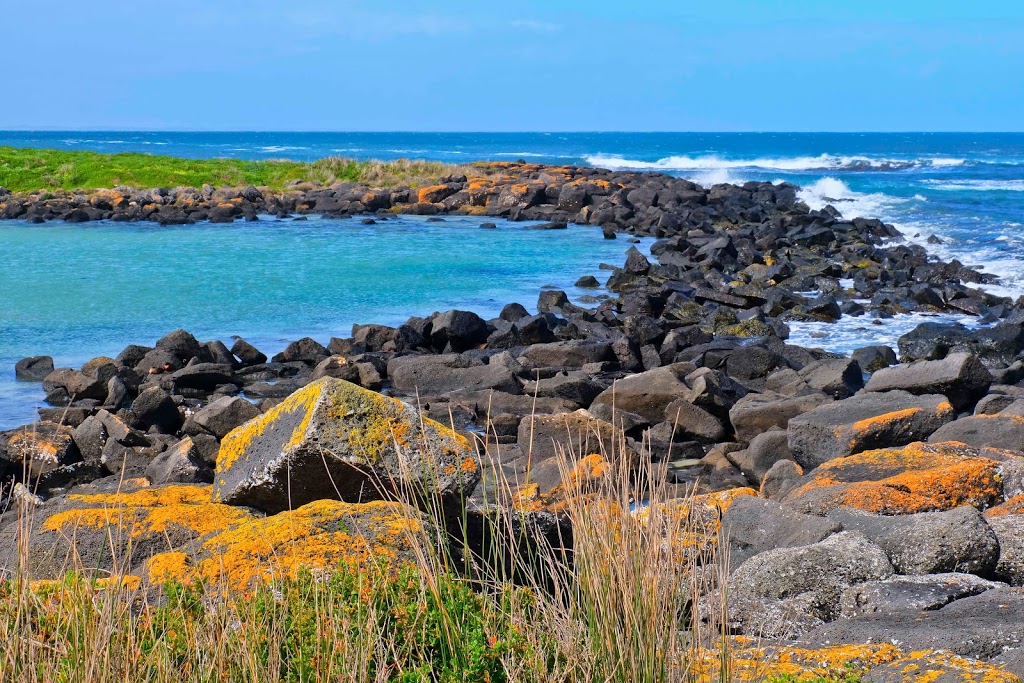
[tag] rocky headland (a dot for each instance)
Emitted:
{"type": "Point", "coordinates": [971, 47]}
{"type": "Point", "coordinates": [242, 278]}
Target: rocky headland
{"type": "Point", "coordinates": [875, 499]}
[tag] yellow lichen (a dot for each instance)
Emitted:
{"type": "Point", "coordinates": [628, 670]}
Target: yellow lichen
{"type": "Point", "coordinates": [749, 662]}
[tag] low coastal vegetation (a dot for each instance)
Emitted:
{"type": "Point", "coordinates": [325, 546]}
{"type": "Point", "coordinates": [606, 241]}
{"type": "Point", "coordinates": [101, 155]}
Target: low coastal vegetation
{"type": "Point", "coordinates": [29, 170]}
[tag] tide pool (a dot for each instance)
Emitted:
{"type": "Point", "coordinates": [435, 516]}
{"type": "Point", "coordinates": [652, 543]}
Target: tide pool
{"type": "Point", "coordinates": [79, 291]}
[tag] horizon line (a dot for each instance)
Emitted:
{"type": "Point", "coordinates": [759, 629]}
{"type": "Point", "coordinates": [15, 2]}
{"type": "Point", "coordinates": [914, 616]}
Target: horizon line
{"type": "Point", "coordinates": [515, 132]}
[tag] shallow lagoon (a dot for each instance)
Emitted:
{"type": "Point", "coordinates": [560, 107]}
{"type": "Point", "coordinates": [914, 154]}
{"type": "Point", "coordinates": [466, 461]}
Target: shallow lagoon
{"type": "Point", "coordinates": [78, 291]}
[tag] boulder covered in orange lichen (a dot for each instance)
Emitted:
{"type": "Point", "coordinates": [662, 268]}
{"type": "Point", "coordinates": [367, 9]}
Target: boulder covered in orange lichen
{"type": "Point", "coordinates": [748, 661]}
{"type": "Point", "coordinates": [920, 477]}
{"type": "Point", "coordinates": [931, 666]}
{"type": "Point", "coordinates": [863, 422]}
{"type": "Point", "coordinates": [112, 531]}
{"type": "Point", "coordinates": [319, 536]}
{"type": "Point", "coordinates": [335, 440]}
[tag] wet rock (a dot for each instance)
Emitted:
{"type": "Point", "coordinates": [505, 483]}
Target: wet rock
{"type": "Point", "coordinates": [956, 540]}
{"type": "Point", "coordinates": [864, 422]}
{"type": "Point", "coordinates": [335, 440]}
{"type": "Point", "coordinates": [34, 368]}
{"type": "Point", "coordinates": [959, 376]}
{"type": "Point", "coordinates": [247, 353]}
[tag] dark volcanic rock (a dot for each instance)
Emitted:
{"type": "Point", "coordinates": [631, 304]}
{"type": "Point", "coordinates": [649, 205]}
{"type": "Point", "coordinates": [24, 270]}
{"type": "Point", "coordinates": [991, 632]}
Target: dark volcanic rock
{"type": "Point", "coordinates": [34, 368]}
{"type": "Point", "coordinates": [959, 376]}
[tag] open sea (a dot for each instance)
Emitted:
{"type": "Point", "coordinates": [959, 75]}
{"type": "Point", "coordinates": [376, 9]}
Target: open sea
{"type": "Point", "coordinates": [78, 291]}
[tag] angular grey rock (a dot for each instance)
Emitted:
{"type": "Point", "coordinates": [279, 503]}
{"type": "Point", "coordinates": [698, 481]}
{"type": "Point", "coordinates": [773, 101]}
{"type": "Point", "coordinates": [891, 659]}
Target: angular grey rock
{"type": "Point", "coordinates": [247, 353]}
{"type": "Point", "coordinates": [864, 422]}
{"type": "Point", "coordinates": [785, 592]}
{"type": "Point", "coordinates": [573, 386]}
{"type": "Point", "coordinates": [221, 416]}
{"type": "Point", "coordinates": [760, 456]}
{"type": "Point", "coordinates": [458, 331]}
{"type": "Point", "coordinates": [306, 350]}
{"type": "Point", "coordinates": [961, 377]}
{"type": "Point", "coordinates": [836, 377]}
{"type": "Point", "coordinates": [754, 525]}
{"type": "Point", "coordinates": [566, 354]}
{"type": "Point", "coordinates": [335, 440]}
{"type": "Point", "coordinates": [649, 393]}
{"type": "Point", "coordinates": [917, 592]}
{"type": "Point", "coordinates": [981, 626]}
{"type": "Point", "coordinates": [957, 540]}
{"type": "Point", "coordinates": [1009, 530]}
{"type": "Point", "coordinates": [429, 375]}
{"type": "Point", "coordinates": [782, 478]}
{"type": "Point", "coordinates": [180, 464]}
{"type": "Point", "coordinates": [757, 413]}
{"type": "Point", "coordinates": [34, 368]}
{"type": "Point", "coordinates": [874, 358]}
{"type": "Point", "coordinates": [994, 431]}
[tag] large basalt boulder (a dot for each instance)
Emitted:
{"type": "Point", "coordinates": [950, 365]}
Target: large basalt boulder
{"type": "Point", "coordinates": [1001, 430]}
{"type": "Point", "coordinates": [305, 350]}
{"type": "Point", "coordinates": [956, 540]}
{"type": "Point", "coordinates": [784, 592]}
{"type": "Point", "coordinates": [753, 525]}
{"type": "Point", "coordinates": [928, 666]}
{"type": "Point", "coordinates": [221, 416]}
{"type": "Point", "coordinates": [864, 422]}
{"type": "Point", "coordinates": [570, 354]}
{"type": "Point", "coordinates": [34, 368]}
{"type": "Point", "coordinates": [1009, 529]}
{"type": "Point", "coordinates": [961, 377]}
{"type": "Point", "coordinates": [758, 413]}
{"type": "Point", "coordinates": [430, 375]}
{"type": "Point", "coordinates": [570, 435]}
{"type": "Point", "coordinates": [921, 592]}
{"type": "Point", "coordinates": [919, 477]}
{"type": "Point", "coordinates": [106, 529]}
{"type": "Point", "coordinates": [182, 463]}
{"type": "Point", "coordinates": [181, 344]}
{"type": "Point", "coordinates": [647, 394]}
{"type": "Point", "coordinates": [981, 626]}
{"type": "Point", "coordinates": [760, 456]}
{"type": "Point", "coordinates": [40, 447]}
{"type": "Point", "coordinates": [335, 440]}
{"type": "Point", "coordinates": [836, 377]}
{"type": "Point", "coordinates": [458, 331]}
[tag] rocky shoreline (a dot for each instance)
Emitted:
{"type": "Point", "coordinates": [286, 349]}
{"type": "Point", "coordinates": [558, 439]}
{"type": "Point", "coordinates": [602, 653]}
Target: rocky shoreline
{"type": "Point", "coordinates": [877, 498]}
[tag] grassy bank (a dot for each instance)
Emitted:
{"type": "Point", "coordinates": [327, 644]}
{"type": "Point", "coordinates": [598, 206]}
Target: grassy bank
{"type": "Point", "coordinates": [28, 170]}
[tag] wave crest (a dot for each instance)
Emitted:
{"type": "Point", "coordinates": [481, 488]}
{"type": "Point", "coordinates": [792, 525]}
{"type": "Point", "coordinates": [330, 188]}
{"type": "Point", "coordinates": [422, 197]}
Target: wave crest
{"type": "Point", "coordinates": [823, 162]}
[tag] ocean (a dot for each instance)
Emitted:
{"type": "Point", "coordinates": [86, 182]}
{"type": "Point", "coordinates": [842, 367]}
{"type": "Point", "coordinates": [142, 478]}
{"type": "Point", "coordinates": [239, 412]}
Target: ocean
{"type": "Point", "coordinates": [79, 291]}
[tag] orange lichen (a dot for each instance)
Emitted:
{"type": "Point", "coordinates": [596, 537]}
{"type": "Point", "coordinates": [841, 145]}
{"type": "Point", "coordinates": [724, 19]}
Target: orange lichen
{"type": "Point", "coordinates": [169, 566]}
{"type": "Point", "coordinates": [320, 535]}
{"type": "Point", "coordinates": [748, 662]}
{"type": "Point", "coordinates": [154, 511]}
{"type": "Point", "coordinates": [927, 666]}
{"type": "Point", "coordinates": [916, 478]}
{"type": "Point", "coordinates": [1014, 506]}
{"type": "Point", "coordinates": [432, 193]}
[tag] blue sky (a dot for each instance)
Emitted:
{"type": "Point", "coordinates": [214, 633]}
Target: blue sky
{"type": "Point", "coordinates": [678, 65]}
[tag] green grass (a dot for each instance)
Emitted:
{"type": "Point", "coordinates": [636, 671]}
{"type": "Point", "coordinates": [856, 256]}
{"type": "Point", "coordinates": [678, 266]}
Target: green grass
{"type": "Point", "coordinates": [30, 170]}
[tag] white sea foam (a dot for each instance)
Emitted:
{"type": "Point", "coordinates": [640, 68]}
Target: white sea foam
{"type": "Point", "coordinates": [977, 185]}
{"type": "Point", "coordinates": [823, 162]}
{"type": "Point", "coordinates": [851, 204]}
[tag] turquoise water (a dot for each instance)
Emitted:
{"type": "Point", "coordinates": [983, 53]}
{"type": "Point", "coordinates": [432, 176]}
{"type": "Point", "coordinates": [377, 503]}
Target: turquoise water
{"type": "Point", "coordinates": [79, 291]}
